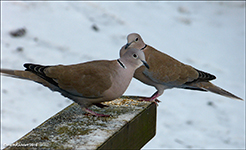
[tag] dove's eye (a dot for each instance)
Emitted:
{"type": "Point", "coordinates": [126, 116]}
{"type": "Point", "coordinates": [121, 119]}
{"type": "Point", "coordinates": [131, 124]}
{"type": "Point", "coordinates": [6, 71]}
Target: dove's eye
{"type": "Point", "coordinates": [136, 39]}
{"type": "Point", "coordinates": [135, 56]}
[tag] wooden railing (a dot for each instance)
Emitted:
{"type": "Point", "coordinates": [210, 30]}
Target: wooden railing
{"type": "Point", "coordinates": [131, 126]}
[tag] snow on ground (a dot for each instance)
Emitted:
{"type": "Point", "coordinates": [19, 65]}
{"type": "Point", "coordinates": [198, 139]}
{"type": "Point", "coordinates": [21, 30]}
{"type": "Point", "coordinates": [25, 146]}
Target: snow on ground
{"type": "Point", "coordinates": [207, 35]}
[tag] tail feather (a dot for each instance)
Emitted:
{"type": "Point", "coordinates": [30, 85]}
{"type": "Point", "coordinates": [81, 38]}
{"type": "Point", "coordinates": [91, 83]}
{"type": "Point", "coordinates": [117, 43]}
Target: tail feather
{"type": "Point", "coordinates": [14, 73]}
{"type": "Point", "coordinates": [208, 86]}
{"type": "Point", "coordinates": [26, 75]}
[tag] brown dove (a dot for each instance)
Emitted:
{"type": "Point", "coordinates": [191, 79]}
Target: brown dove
{"type": "Point", "coordinates": [86, 83]}
{"type": "Point", "coordinates": [166, 72]}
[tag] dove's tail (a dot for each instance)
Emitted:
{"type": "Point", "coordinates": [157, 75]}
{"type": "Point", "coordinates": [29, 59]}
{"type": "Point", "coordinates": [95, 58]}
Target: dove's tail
{"type": "Point", "coordinates": [24, 75]}
{"type": "Point", "coordinates": [19, 74]}
{"type": "Point", "coordinates": [208, 86]}
{"type": "Point", "coordinates": [15, 73]}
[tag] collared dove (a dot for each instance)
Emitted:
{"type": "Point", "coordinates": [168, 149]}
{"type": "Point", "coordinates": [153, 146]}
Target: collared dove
{"type": "Point", "coordinates": [166, 72]}
{"type": "Point", "coordinates": [86, 83]}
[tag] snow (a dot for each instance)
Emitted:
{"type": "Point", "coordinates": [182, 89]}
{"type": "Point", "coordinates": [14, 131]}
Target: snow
{"type": "Point", "coordinates": [101, 131]}
{"type": "Point", "coordinates": [71, 129]}
{"type": "Point", "coordinates": [207, 35]}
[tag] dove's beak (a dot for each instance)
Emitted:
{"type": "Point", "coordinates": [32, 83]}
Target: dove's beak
{"type": "Point", "coordinates": [145, 64]}
{"type": "Point", "coordinates": [127, 45]}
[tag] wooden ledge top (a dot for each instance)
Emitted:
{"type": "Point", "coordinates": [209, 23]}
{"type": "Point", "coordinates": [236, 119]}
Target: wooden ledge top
{"type": "Point", "coordinates": [131, 125]}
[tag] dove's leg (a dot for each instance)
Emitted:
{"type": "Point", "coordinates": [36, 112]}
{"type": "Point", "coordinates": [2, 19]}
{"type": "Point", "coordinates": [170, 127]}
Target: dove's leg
{"type": "Point", "coordinates": [160, 89]}
{"type": "Point", "coordinates": [94, 113]}
{"type": "Point", "coordinates": [153, 98]}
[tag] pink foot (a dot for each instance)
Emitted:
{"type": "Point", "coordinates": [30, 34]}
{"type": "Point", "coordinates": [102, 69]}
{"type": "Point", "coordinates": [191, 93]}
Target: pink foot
{"type": "Point", "coordinates": [153, 98]}
{"type": "Point", "coordinates": [149, 99]}
{"type": "Point", "coordinates": [94, 113]}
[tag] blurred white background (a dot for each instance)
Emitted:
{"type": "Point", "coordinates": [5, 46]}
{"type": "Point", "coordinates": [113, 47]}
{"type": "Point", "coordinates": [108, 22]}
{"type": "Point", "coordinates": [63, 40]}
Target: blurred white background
{"type": "Point", "coordinates": [210, 36]}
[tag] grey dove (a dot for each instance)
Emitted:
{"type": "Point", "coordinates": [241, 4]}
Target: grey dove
{"type": "Point", "coordinates": [88, 83]}
{"type": "Point", "coordinates": [166, 72]}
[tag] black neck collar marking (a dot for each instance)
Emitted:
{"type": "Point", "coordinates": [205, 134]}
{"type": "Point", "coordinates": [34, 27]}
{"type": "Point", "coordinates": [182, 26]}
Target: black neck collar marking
{"type": "Point", "coordinates": [121, 64]}
{"type": "Point", "coordinates": [144, 47]}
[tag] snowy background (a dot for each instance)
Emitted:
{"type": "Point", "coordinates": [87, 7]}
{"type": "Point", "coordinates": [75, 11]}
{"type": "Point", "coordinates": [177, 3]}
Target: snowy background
{"type": "Point", "coordinates": [207, 35]}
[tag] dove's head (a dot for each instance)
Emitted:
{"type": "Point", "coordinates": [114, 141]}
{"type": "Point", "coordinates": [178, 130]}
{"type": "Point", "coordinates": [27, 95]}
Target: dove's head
{"type": "Point", "coordinates": [134, 40]}
{"type": "Point", "coordinates": [134, 57]}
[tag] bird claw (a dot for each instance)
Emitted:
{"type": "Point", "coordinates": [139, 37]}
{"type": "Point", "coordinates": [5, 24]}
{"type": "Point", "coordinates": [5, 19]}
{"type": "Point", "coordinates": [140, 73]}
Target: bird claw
{"type": "Point", "coordinates": [90, 112]}
{"type": "Point", "coordinates": [98, 115]}
{"type": "Point", "coordinates": [150, 99]}
{"type": "Point", "coordinates": [158, 101]}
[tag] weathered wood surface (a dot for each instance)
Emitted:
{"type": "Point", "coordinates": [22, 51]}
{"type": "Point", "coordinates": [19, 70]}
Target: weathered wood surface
{"type": "Point", "coordinates": [132, 125]}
